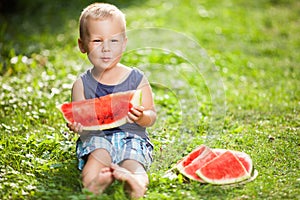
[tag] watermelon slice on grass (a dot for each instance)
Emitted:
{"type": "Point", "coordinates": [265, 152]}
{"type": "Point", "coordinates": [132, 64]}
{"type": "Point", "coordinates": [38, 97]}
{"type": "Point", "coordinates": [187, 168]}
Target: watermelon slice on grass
{"type": "Point", "coordinates": [199, 158]}
{"type": "Point", "coordinates": [190, 170]}
{"type": "Point", "coordinates": [185, 161]}
{"type": "Point", "coordinates": [243, 158]}
{"type": "Point", "coordinates": [224, 169]}
{"type": "Point", "coordinates": [101, 113]}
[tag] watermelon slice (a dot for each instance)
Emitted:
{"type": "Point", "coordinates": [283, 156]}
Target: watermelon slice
{"type": "Point", "coordinates": [101, 113]}
{"type": "Point", "coordinates": [216, 166]}
{"type": "Point", "coordinates": [190, 157]}
{"type": "Point", "coordinates": [190, 170]}
{"type": "Point", "coordinates": [224, 169]}
{"type": "Point", "coordinates": [243, 158]}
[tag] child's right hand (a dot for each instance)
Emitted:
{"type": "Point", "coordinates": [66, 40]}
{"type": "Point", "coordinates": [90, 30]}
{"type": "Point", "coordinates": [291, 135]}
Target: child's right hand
{"type": "Point", "coordinates": [75, 127]}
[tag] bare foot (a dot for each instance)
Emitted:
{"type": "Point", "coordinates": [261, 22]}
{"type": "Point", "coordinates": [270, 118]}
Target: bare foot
{"type": "Point", "coordinates": [102, 181]}
{"type": "Point", "coordinates": [137, 189]}
{"type": "Point", "coordinates": [105, 178]}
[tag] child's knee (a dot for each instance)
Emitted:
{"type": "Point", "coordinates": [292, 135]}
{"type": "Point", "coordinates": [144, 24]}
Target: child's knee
{"type": "Point", "coordinates": [133, 166]}
{"type": "Point", "coordinates": [101, 156]}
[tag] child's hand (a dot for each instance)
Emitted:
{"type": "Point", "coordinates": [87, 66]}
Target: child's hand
{"type": "Point", "coordinates": [75, 127]}
{"type": "Point", "coordinates": [135, 114]}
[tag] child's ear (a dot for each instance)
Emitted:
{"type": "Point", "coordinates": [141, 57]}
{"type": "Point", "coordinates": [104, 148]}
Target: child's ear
{"type": "Point", "coordinates": [81, 46]}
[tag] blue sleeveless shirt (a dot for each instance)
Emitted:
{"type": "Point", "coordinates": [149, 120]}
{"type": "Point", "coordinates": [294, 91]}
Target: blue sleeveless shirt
{"type": "Point", "coordinates": [94, 89]}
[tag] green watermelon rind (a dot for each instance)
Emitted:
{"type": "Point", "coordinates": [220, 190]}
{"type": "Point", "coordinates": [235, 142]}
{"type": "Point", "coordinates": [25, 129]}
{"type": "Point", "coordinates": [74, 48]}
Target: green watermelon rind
{"type": "Point", "coordinates": [135, 101]}
{"type": "Point", "coordinates": [224, 181]}
{"type": "Point", "coordinates": [106, 126]}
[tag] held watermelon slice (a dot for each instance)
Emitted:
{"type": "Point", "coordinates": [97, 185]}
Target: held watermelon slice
{"type": "Point", "coordinates": [101, 113]}
{"type": "Point", "coordinates": [224, 169]}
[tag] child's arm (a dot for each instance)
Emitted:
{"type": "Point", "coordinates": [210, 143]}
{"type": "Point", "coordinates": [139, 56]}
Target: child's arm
{"type": "Point", "coordinates": [144, 115]}
{"type": "Point", "coordinates": [77, 95]}
{"type": "Point", "coordinates": [77, 91]}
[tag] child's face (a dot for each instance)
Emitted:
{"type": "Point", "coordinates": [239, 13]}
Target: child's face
{"type": "Point", "coordinates": [105, 42]}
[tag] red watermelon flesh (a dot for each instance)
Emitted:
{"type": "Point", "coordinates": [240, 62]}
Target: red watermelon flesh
{"type": "Point", "coordinates": [190, 157]}
{"type": "Point", "coordinates": [224, 169]}
{"type": "Point", "coordinates": [246, 162]}
{"type": "Point", "coordinates": [190, 170]}
{"type": "Point", "coordinates": [101, 113]}
{"type": "Point", "coordinates": [243, 158]}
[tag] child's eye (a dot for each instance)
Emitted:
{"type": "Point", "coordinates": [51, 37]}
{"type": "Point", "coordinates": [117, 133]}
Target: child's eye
{"type": "Point", "coordinates": [97, 41]}
{"type": "Point", "coordinates": [114, 40]}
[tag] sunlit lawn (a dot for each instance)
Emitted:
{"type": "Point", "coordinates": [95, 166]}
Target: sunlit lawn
{"type": "Point", "coordinates": [224, 73]}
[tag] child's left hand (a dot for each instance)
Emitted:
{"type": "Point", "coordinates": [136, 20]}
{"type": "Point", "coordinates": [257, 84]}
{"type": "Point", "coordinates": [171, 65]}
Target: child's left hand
{"type": "Point", "coordinates": [135, 114]}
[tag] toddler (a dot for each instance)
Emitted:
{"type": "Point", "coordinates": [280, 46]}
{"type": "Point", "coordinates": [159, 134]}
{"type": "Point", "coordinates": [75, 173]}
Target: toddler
{"type": "Point", "coordinates": [123, 153]}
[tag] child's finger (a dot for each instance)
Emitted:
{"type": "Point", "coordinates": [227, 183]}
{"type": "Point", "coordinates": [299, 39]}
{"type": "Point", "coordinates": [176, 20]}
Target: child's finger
{"type": "Point", "coordinates": [132, 117]}
{"type": "Point", "coordinates": [139, 108]}
{"type": "Point", "coordinates": [78, 127]}
{"type": "Point", "coordinates": [136, 112]}
{"type": "Point", "coordinates": [75, 127]}
{"type": "Point", "coordinates": [128, 119]}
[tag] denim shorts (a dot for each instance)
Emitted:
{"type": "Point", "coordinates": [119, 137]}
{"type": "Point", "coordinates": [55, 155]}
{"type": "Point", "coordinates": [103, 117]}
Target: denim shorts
{"type": "Point", "coordinates": [121, 146]}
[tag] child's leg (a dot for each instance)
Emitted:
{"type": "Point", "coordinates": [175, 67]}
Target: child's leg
{"type": "Point", "coordinates": [96, 174]}
{"type": "Point", "coordinates": [135, 176]}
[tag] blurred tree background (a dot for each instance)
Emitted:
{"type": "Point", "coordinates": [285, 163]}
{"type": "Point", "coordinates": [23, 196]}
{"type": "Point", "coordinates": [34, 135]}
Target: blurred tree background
{"type": "Point", "coordinates": [29, 26]}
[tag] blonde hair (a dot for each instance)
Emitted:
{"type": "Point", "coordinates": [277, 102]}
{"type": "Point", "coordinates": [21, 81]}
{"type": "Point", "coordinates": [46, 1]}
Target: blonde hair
{"type": "Point", "coordinates": [99, 11]}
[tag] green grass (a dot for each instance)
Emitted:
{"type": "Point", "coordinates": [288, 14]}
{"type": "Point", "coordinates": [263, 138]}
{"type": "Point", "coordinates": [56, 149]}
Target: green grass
{"type": "Point", "coordinates": [243, 95]}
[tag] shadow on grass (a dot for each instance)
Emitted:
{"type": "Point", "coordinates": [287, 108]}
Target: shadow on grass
{"type": "Point", "coordinates": [61, 181]}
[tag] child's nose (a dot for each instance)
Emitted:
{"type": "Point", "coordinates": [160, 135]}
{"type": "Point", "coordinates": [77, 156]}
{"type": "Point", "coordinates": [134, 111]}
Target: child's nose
{"type": "Point", "coordinates": [106, 46]}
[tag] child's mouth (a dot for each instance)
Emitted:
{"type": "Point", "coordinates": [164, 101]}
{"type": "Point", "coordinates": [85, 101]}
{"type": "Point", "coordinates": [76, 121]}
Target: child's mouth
{"type": "Point", "coordinates": [105, 59]}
